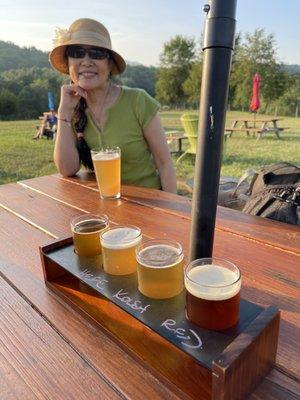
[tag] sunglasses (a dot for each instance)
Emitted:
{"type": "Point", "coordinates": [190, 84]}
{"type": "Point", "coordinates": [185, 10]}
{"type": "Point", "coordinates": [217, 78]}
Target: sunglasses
{"type": "Point", "coordinates": [95, 53]}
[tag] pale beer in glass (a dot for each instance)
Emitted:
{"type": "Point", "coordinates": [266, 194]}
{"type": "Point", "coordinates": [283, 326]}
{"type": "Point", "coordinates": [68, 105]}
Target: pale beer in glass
{"type": "Point", "coordinates": [86, 231]}
{"type": "Point", "coordinates": [107, 167]}
{"type": "Point", "coordinates": [212, 293]}
{"type": "Point", "coordinates": [160, 268]}
{"type": "Point", "coordinates": [118, 245]}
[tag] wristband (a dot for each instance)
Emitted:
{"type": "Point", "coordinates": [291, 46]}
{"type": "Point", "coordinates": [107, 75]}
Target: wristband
{"type": "Point", "coordinates": [64, 120]}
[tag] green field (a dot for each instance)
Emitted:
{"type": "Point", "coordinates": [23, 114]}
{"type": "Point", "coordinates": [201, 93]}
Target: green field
{"type": "Point", "coordinates": [21, 157]}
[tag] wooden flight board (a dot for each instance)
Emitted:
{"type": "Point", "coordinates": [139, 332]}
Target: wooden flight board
{"type": "Point", "coordinates": [197, 362]}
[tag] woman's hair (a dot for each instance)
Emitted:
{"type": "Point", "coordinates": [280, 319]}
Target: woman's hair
{"type": "Point", "coordinates": [80, 124]}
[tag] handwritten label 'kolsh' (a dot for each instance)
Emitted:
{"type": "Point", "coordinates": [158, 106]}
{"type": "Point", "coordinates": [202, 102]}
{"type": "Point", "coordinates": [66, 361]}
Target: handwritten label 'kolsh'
{"type": "Point", "coordinates": [189, 336]}
{"type": "Point", "coordinates": [133, 304]}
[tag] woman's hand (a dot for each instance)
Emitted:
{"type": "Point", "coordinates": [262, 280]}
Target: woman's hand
{"type": "Point", "coordinates": [69, 98]}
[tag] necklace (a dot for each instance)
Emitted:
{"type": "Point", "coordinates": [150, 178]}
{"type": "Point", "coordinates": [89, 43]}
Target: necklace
{"type": "Point", "coordinates": [101, 107]}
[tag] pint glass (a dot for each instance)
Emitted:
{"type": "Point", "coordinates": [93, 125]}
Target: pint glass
{"type": "Point", "coordinates": [212, 293]}
{"type": "Point", "coordinates": [107, 166]}
{"type": "Point", "coordinates": [118, 249]}
{"type": "Point", "coordinates": [160, 268]}
{"type": "Point", "coordinates": [86, 234]}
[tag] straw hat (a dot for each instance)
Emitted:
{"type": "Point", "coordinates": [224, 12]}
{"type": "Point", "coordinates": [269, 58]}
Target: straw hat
{"type": "Point", "coordinates": [84, 31]}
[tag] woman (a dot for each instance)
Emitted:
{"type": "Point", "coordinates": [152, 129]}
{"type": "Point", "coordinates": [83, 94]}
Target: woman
{"type": "Point", "coordinates": [95, 112]}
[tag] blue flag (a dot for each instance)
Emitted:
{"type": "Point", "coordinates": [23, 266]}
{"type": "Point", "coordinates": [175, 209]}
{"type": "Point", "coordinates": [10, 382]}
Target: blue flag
{"type": "Point", "coordinates": [51, 101]}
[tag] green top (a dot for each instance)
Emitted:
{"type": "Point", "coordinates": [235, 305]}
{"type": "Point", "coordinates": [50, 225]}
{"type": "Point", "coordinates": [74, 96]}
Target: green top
{"type": "Point", "coordinates": [126, 120]}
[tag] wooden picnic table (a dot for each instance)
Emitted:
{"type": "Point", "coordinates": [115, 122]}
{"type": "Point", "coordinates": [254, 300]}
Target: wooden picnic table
{"type": "Point", "coordinates": [49, 350]}
{"type": "Point", "coordinates": [176, 136]}
{"type": "Point", "coordinates": [259, 126]}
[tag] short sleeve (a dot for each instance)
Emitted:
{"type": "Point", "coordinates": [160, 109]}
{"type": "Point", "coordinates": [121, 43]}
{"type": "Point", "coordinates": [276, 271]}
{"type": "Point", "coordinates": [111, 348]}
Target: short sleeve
{"type": "Point", "coordinates": [146, 108]}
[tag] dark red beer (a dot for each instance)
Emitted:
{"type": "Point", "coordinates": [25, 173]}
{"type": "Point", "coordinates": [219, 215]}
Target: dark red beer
{"type": "Point", "coordinates": [213, 314]}
{"type": "Point", "coordinates": [213, 293]}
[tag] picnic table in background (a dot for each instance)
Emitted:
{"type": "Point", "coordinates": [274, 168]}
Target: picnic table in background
{"type": "Point", "coordinates": [50, 350]}
{"type": "Point", "coordinates": [176, 136]}
{"type": "Point", "coordinates": [256, 126]}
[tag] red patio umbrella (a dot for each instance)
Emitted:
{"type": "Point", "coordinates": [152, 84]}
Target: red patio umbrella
{"type": "Point", "coordinates": [255, 103]}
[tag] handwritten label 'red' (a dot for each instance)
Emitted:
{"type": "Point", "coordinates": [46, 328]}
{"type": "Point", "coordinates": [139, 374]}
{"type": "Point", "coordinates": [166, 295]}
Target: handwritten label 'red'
{"type": "Point", "coordinates": [133, 304]}
{"type": "Point", "coordinates": [189, 337]}
{"type": "Point", "coordinates": [88, 276]}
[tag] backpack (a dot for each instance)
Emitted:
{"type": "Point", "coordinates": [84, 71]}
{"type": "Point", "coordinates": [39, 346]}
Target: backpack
{"type": "Point", "coordinates": [276, 194]}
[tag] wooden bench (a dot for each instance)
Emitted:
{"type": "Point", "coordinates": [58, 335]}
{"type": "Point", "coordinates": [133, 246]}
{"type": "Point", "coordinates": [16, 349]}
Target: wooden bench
{"type": "Point", "coordinates": [259, 131]}
{"type": "Point", "coordinates": [178, 137]}
{"type": "Point", "coordinates": [44, 128]}
{"type": "Point", "coordinates": [228, 131]}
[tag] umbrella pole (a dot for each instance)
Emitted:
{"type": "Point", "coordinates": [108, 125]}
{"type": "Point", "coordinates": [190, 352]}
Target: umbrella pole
{"type": "Point", "coordinates": [218, 46]}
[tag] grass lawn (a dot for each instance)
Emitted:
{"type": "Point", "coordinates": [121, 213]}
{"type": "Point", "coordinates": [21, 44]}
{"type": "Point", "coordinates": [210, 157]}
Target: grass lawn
{"type": "Point", "coordinates": [243, 152]}
{"type": "Point", "coordinates": [21, 157]}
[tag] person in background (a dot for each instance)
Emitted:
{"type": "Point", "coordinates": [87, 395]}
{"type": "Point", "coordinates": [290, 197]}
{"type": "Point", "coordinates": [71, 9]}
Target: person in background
{"type": "Point", "coordinates": [96, 112]}
{"type": "Point", "coordinates": [52, 120]}
{"type": "Point", "coordinates": [48, 126]}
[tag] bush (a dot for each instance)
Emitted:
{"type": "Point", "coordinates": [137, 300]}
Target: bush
{"type": "Point", "coordinates": [8, 104]}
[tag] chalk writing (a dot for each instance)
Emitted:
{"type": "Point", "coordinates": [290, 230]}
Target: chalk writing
{"type": "Point", "coordinates": [184, 334]}
{"type": "Point", "coordinates": [88, 276]}
{"type": "Point", "coordinates": [133, 304]}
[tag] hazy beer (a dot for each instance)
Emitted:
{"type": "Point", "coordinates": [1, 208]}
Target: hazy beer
{"type": "Point", "coordinates": [107, 166]}
{"type": "Point", "coordinates": [160, 268]}
{"type": "Point", "coordinates": [86, 231]}
{"type": "Point", "coordinates": [212, 293]}
{"type": "Point", "coordinates": [119, 244]}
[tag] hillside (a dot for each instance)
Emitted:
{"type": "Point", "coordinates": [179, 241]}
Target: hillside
{"type": "Point", "coordinates": [291, 69]}
{"type": "Point", "coordinates": [15, 57]}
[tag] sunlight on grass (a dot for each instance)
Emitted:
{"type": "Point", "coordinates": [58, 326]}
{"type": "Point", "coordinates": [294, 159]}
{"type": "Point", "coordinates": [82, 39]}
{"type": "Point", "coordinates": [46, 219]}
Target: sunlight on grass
{"type": "Point", "coordinates": [22, 158]}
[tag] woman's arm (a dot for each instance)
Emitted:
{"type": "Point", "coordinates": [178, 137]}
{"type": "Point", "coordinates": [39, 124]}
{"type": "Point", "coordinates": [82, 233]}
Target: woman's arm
{"type": "Point", "coordinates": [157, 143]}
{"type": "Point", "coordinates": [66, 157]}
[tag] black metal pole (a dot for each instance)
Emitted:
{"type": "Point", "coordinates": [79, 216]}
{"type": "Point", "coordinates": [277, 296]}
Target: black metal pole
{"type": "Point", "coordinates": [218, 46]}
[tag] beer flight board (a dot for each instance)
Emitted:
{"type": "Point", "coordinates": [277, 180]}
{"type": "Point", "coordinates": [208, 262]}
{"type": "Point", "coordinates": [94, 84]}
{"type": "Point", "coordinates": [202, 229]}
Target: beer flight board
{"type": "Point", "coordinates": [165, 317]}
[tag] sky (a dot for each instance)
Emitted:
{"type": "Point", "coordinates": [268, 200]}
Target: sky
{"type": "Point", "coordinates": [139, 28]}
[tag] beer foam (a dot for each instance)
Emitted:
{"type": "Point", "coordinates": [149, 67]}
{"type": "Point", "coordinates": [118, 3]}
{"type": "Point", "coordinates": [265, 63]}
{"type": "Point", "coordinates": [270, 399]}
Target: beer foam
{"type": "Point", "coordinates": [159, 256]}
{"type": "Point", "coordinates": [89, 226]}
{"type": "Point", "coordinates": [212, 282]}
{"type": "Point", "coordinates": [105, 156]}
{"type": "Point", "coordinates": [121, 238]}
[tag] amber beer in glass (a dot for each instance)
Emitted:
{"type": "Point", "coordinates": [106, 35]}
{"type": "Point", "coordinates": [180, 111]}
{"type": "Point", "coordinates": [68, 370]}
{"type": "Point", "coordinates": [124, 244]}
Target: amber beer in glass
{"type": "Point", "coordinates": [118, 249]}
{"type": "Point", "coordinates": [107, 166]}
{"type": "Point", "coordinates": [86, 231]}
{"type": "Point", "coordinates": [160, 268]}
{"type": "Point", "coordinates": [212, 293]}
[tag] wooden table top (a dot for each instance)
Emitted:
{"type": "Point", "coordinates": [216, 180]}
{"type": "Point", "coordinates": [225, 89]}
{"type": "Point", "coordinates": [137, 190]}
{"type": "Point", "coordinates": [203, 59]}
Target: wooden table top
{"type": "Point", "coordinates": [48, 350]}
{"type": "Point", "coordinates": [253, 119]}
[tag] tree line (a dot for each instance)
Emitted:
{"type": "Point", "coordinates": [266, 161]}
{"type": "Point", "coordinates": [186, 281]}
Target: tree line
{"type": "Point", "coordinates": [24, 91]}
{"type": "Point", "coordinates": [26, 78]}
{"type": "Point", "coordinates": [179, 75]}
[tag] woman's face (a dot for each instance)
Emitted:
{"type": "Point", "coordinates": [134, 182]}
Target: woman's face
{"type": "Point", "coordinates": [88, 73]}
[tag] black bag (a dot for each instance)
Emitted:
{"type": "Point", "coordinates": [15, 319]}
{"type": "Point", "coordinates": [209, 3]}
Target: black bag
{"type": "Point", "coordinates": [276, 194]}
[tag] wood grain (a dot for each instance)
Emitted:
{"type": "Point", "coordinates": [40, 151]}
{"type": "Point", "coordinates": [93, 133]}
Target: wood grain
{"type": "Point", "coordinates": [261, 264]}
{"type": "Point", "coordinates": [247, 359]}
{"type": "Point", "coordinates": [111, 362]}
{"type": "Point", "coordinates": [39, 360]}
{"type": "Point", "coordinates": [242, 364]}
{"type": "Point", "coordinates": [267, 256]}
{"type": "Point", "coordinates": [273, 232]}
